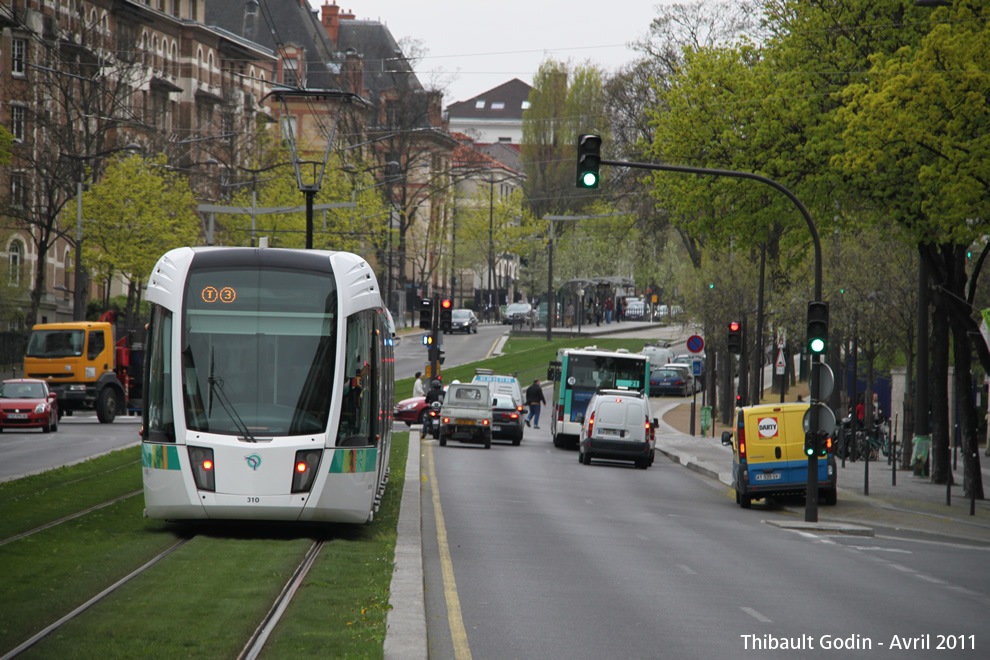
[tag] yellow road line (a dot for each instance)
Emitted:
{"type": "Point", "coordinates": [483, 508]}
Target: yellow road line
{"type": "Point", "coordinates": [457, 633]}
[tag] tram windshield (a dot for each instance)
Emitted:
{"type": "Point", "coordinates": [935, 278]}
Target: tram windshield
{"type": "Point", "coordinates": [258, 351]}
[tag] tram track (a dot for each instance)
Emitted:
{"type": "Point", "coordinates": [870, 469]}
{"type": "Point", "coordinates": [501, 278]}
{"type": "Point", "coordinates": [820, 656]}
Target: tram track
{"type": "Point", "coordinates": [255, 645]}
{"type": "Point", "coordinates": [72, 516]}
{"type": "Point", "coordinates": [34, 639]}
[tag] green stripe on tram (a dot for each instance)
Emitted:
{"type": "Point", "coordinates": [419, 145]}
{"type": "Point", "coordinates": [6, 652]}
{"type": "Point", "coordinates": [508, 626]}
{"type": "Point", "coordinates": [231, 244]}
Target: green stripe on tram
{"type": "Point", "coordinates": [346, 460]}
{"type": "Point", "coordinates": [160, 457]}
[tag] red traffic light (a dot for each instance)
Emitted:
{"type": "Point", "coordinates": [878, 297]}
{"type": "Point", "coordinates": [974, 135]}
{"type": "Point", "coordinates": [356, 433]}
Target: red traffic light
{"type": "Point", "coordinates": [733, 327]}
{"type": "Point", "coordinates": [445, 304]}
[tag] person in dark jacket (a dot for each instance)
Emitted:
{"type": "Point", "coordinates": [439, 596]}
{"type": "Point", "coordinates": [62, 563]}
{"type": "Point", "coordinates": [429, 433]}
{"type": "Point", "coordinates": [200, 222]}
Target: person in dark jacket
{"type": "Point", "coordinates": [534, 397]}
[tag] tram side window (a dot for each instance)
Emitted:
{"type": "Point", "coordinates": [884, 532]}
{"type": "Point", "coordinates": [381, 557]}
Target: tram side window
{"type": "Point", "coordinates": [360, 371]}
{"type": "Point", "coordinates": [160, 422]}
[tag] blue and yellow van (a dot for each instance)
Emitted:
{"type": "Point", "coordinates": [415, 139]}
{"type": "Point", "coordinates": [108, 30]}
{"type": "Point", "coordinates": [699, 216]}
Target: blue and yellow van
{"type": "Point", "coordinates": [768, 455]}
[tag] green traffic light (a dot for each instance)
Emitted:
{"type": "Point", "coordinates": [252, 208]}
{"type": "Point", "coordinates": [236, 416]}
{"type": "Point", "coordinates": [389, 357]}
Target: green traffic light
{"type": "Point", "coordinates": [817, 345]}
{"type": "Point", "coordinates": [589, 179]}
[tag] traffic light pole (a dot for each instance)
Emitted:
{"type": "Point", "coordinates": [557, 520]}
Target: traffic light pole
{"type": "Point", "coordinates": [811, 499]}
{"type": "Point", "coordinates": [433, 353]}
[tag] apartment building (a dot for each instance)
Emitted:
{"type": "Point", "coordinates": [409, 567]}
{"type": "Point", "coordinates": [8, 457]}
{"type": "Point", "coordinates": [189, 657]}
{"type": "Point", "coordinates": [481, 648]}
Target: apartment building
{"type": "Point", "coordinates": [82, 79]}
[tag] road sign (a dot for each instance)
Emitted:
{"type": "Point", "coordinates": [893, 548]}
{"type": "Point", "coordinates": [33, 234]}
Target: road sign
{"type": "Point", "coordinates": [695, 343]}
{"type": "Point", "coordinates": [826, 418]}
{"type": "Point", "coordinates": [780, 365]}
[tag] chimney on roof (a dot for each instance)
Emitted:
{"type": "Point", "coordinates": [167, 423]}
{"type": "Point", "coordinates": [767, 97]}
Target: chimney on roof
{"type": "Point", "coordinates": [331, 18]}
{"type": "Point", "coordinates": [353, 71]}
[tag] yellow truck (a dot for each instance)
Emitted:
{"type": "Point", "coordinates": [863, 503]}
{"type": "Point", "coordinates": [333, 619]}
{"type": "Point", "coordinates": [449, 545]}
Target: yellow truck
{"type": "Point", "coordinates": [768, 455]}
{"type": "Point", "coordinates": [85, 367]}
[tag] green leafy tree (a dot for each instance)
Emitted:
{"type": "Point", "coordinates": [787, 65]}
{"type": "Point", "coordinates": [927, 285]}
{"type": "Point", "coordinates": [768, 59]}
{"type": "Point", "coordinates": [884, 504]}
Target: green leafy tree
{"type": "Point", "coordinates": [916, 146]}
{"type": "Point", "coordinates": [138, 211]}
{"type": "Point", "coordinates": [565, 102]}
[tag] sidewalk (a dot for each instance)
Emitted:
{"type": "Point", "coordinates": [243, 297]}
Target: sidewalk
{"type": "Point", "coordinates": [914, 503]}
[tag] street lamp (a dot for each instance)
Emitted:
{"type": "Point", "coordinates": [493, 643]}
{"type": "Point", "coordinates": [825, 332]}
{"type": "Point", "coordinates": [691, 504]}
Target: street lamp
{"type": "Point", "coordinates": [81, 278]}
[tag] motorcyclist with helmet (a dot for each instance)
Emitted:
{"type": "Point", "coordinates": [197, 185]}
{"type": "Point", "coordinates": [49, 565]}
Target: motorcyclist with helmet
{"type": "Point", "coordinates": [434, 395]}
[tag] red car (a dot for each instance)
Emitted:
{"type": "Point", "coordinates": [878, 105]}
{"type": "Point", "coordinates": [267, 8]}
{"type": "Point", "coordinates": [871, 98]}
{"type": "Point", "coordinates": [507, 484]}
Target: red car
{"type": "Point", "coordinates": [411, 411]}
{"type": "Point", "coordinates": [27, 403]}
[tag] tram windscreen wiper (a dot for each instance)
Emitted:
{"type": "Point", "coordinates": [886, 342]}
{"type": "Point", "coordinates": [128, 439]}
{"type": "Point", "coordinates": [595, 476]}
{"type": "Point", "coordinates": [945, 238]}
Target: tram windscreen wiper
{"type": "Point", "coordinates": [216, 385]}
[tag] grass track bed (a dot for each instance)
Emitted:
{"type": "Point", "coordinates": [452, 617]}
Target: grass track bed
{"type": "Point", "coordinates": [47, 575]}
{"type": "Point", "coordinates": [341, 608]}
{"type": "Point", "coordinates": [202, 601]}
{"type": "Point", "coordinates": [42, 498]}
{"type": "Point", "coordinates": [207, 598]}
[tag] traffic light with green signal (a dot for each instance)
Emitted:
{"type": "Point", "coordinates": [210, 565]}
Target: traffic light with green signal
{"type": "Point", "coordinates": [735, 338]}
{"type": "Point", "coordinates": [810, 443]}
{"type": "Point", "coordinates": [817, 327]}
{"type": "Point", "coordinates": [589, 159]}
{"type": "Point", "coordinates": [824, 444]}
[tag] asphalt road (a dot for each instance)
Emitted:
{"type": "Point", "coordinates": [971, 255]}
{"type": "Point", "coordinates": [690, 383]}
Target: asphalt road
{"type": "Point", "coordinates": [537, 556]}
{"type": "Point", "coordinates": [459, 348]}
{"type": "Point", "coordinates": [78, 438]}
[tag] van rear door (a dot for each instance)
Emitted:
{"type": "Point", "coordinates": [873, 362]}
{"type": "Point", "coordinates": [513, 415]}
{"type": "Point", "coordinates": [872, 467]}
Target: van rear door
{"type": "Point", "coordinates": [620, 420]}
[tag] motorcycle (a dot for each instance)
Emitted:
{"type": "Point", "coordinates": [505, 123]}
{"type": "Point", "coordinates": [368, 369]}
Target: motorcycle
{"type": "Point", "coordinates": [431, 423]}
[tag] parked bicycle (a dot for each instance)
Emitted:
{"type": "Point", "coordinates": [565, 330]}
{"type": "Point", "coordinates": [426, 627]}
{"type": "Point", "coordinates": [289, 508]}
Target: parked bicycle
{"type": "Point", "coordinates": [871, 446]}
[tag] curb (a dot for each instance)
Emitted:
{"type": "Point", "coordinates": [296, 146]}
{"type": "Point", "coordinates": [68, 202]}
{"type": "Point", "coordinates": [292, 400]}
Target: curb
{"type": "Point", "coordinates": [405, 624]}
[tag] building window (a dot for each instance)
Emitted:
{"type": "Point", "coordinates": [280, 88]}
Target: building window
{"type": "Point", "coordinates": [479, 104]}
{"type": "Point", "coordinates": [17, 122]}
{"type": "Point", "coordinates": [15, 254]}
{"type": "Point", "coordinates": [18, 56]}
{"type": "Point", "coordinates": [290, 73]}
{"type": "Point", "coordinates": [525, 105]}
{"type": "Point", "coordinates": [498, 105]}
{"type": "Point", "coordinates": [505, 139]}
{"type": "Point", "coordinates": [17, 190]}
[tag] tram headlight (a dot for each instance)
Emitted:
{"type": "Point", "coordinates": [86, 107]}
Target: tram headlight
{"type": "Point", "coordinates": [304, 470]}
{"type": "Point", "coordinates": [201, 459]}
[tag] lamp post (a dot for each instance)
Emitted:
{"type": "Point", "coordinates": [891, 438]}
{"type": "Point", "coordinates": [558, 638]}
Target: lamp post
{"type": "Point", "coordinates": [81, 283]}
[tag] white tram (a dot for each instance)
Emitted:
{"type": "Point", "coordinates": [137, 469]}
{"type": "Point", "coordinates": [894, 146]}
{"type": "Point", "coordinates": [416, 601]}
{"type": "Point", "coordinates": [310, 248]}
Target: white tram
{"type": "Point", "coordinates": [268, 386]}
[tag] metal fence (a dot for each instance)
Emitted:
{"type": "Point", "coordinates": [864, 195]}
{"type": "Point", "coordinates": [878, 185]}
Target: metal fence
{"type": "Point", "coordinates": [12, 346]}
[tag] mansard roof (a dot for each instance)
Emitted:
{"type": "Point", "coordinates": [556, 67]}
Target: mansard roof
{"type": "Point", "coordinates": [503, 102]}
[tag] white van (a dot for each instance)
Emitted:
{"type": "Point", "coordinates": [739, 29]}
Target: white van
{"type": "Point", "coordinates": [658, 355]}
{"type": "Point", "coordinates": [618, 425]}
{"type": "Point", "coordinates": [501, 385]}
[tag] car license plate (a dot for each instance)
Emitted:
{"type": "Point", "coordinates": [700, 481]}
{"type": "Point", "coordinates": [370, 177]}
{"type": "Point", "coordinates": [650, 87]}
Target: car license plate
{"type": "Point", "coordinates": [17, 416]}
{"type": "Point", "coordinates": [496, 427]}
{"type": "Point", "coordinates": [772, 476]}
{"type": "Point", "coordinates": [615, 433]}
{"type": "Point", "coordinates": [468, 422]}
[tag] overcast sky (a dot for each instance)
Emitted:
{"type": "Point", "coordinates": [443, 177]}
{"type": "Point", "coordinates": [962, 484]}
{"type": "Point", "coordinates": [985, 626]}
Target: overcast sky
{"type": "Point", "coordinates": [480, 44]}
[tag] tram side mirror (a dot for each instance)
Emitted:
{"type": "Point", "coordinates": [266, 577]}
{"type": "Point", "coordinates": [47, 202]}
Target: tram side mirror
{"type": "Point", "coordinates": [726, 438]}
